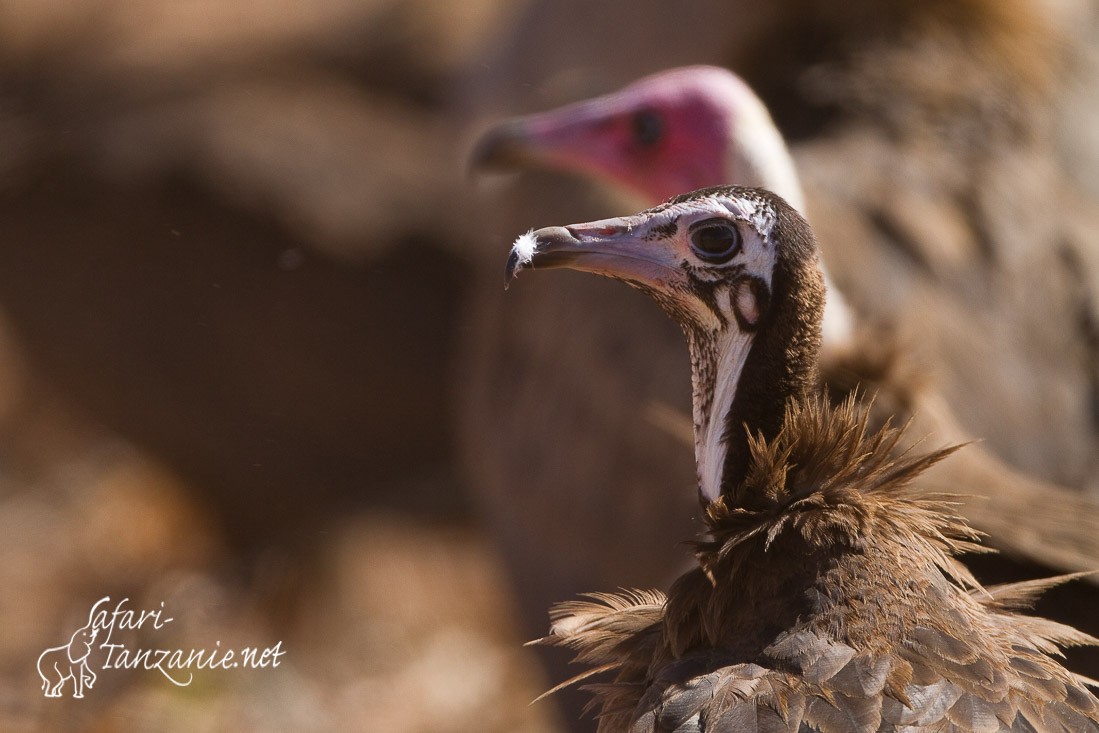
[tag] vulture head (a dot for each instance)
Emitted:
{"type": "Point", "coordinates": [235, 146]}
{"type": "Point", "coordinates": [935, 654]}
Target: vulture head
{"type": "Point", "coordinates": [738, 269]}
{"type": "Point", "coordinates": [672, 132]}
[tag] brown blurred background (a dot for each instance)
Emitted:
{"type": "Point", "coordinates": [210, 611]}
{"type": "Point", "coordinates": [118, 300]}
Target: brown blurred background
{"type": "Point", "coordinates": [237, 252]}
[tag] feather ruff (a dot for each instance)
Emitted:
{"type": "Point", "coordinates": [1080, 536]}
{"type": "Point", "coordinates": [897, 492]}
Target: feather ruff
{"type": "Point", "coordinates": [828, 598]}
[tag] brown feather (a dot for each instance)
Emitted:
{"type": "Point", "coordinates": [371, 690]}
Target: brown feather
{"type": "Point", "coordinates": [831, 602]}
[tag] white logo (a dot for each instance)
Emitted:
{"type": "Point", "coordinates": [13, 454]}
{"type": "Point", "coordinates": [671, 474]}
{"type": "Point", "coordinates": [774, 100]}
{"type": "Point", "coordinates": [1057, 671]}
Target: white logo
{"type": "Point", "coordinates": [59, 664]}
{"type": "Point", "coordinates": [68, 662]}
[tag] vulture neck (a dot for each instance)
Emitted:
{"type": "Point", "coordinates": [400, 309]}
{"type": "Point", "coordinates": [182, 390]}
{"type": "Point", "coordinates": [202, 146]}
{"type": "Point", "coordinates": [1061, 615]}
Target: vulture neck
{"type": "Point", "coordinates": [743, 382]}
{"type": "Point", "coordinates": [761, 158]}
{"type": "Point", "coordinates": [716, 366]}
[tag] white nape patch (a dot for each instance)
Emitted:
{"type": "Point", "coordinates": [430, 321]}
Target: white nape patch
{"type": "Point", "coordinates": [758, 155]}
{"type": "Point", "coordinates": [710, 445]}
{"type": "Point", "coordinates": [525, 247]}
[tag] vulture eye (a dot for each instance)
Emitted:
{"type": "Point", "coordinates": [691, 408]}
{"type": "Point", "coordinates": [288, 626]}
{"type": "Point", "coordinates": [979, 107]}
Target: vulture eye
{"type": "Point", "coordinates": [715, 240]}
{"type": "Point", "coordinates": [648, 127]}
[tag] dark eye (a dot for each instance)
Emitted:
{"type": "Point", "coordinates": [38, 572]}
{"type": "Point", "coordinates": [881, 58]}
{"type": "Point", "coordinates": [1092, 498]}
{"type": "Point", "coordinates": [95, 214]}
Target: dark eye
{"type": "Point", "coordinates": [715, 240]}
{"type": "Point", "coordinates": [648, 127]}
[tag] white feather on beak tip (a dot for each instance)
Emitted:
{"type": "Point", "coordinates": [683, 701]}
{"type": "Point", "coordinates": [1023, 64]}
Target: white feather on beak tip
{"type": "Point", "coordinates": [524, 247]}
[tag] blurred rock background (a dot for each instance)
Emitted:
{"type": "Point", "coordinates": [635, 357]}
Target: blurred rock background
{"type": "Point", "coordinates": [230, 287]}
{"type": "Point", "coordinates": [236, 250]}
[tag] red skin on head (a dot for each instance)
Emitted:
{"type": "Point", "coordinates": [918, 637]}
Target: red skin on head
{"type": "Point", "coordinates": [659, 137]}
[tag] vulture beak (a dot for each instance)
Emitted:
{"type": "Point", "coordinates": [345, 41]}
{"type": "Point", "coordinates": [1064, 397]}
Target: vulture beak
{"type": "Point", "coordinates": [567, 138]}
{"type": "Point", "coordinates": [624, 248]}
{"type": "Point", "coordinates": [504, 147]}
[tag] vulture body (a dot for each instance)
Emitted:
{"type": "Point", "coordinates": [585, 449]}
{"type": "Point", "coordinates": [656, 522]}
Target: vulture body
{"type": "Point", "coordinates": [827, 596]}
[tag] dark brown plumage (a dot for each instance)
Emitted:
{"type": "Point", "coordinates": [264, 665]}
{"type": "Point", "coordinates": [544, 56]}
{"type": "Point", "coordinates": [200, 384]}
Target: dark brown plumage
{"type": "Point", "coordinates": [827, 596]}
{"type": "Point", "coordinates": [834, 603]}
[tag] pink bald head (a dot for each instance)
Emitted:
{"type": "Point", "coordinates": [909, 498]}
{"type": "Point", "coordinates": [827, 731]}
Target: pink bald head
{"type": "Point", "coordinates": [672, 132]}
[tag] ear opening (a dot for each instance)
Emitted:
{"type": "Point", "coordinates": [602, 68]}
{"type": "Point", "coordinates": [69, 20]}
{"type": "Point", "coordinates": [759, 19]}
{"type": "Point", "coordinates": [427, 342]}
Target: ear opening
{"type": "Point", "coordinates": [750, 299]}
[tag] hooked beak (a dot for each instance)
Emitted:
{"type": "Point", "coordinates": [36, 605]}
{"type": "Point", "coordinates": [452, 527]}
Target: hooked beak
{"type": "Point", "coordinates": [506, 146]}
{"type": "Point", "coordinates": [622, 248]}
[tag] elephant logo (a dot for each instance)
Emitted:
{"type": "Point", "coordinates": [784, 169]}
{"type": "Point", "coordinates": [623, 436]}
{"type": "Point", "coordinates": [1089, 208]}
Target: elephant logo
{"type": "Point", "coordinates": [68, 662]}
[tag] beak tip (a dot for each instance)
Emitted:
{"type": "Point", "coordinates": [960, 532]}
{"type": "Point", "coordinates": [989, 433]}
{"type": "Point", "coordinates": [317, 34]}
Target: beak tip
{"type": "Point", "coordinates": [512, 268]}
{"type": "Point", "coordinates": [500, 149]}
{"type": "Point", "coordinates": [480, 158]}
{"type": "Point", "coordinates": [522, 254]}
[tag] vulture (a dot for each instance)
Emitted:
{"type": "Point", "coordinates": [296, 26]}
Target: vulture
{"type": "Point", "coordinates": [827, 595]}
{"type": "Point", "coordinates": [693, 127]}
{"type": "Point", "coordinates": [928, 143]}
